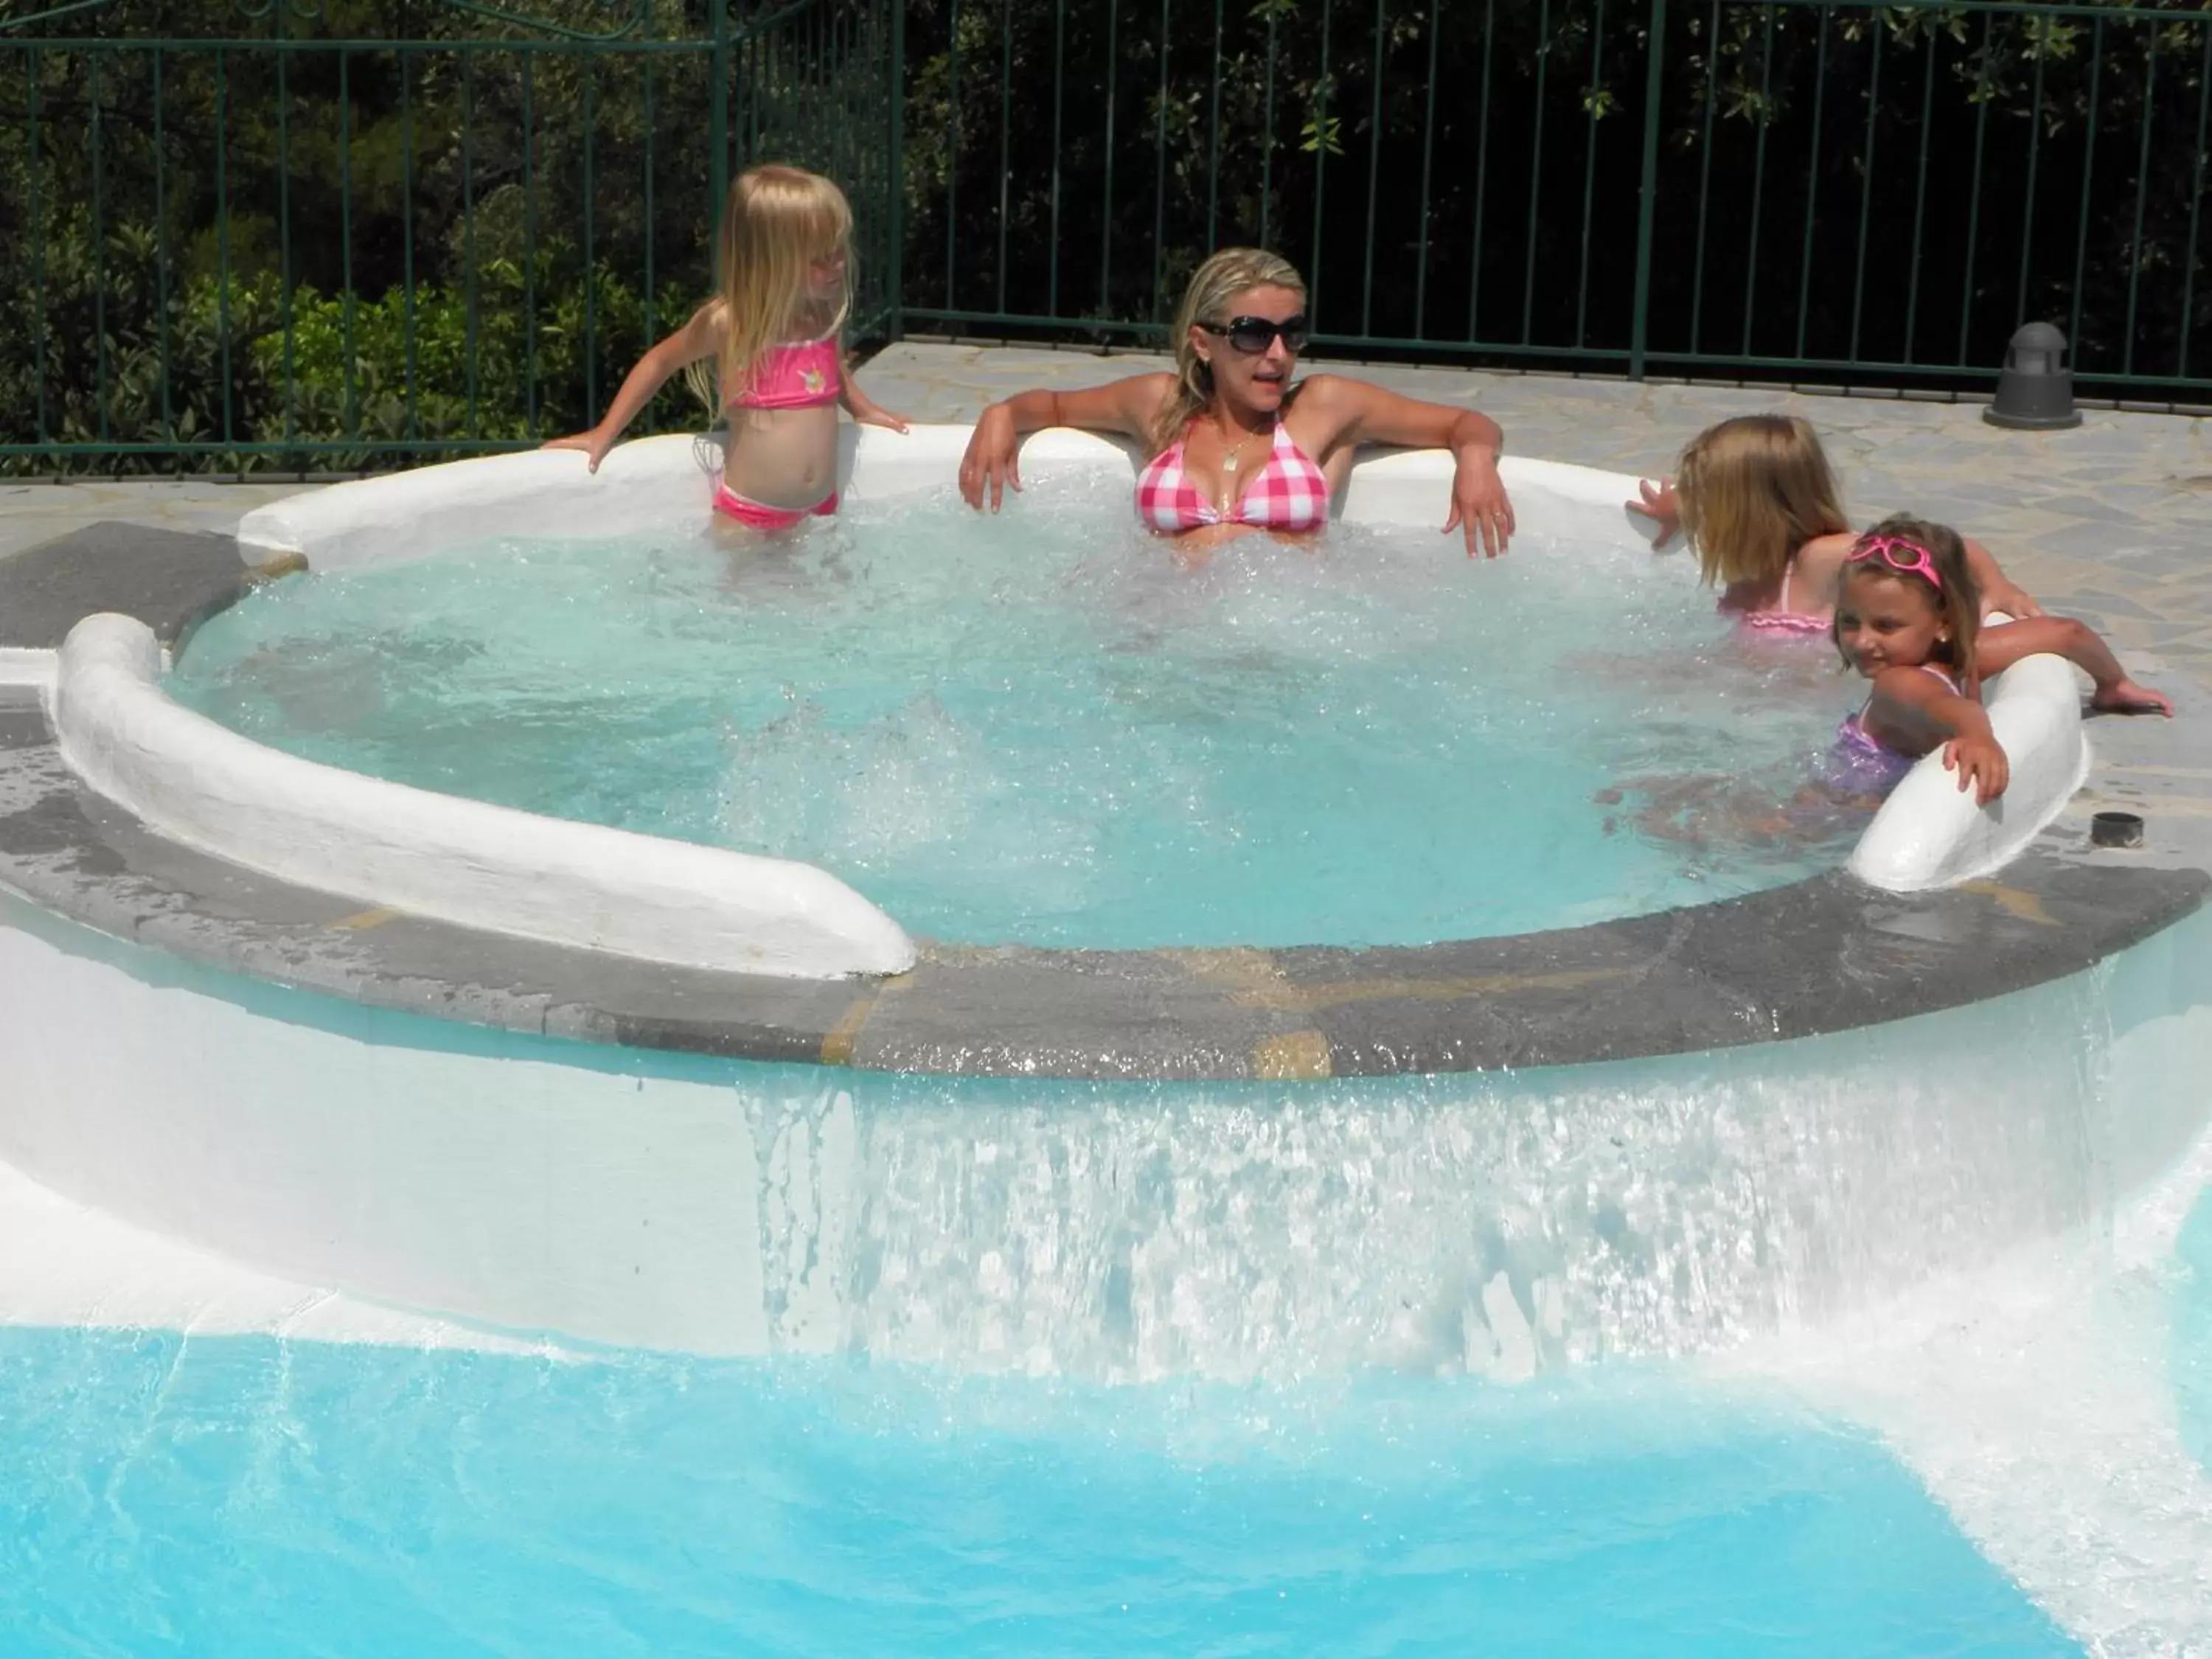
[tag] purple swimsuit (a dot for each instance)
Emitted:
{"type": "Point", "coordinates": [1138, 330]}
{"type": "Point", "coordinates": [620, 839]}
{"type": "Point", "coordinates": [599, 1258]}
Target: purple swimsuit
{"type": "Point", "coordinates": [1861, 764]}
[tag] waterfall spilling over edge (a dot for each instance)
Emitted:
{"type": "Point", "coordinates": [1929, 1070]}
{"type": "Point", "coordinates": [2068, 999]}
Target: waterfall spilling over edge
{"type": "Point", "coordinates": [1500, 1223]}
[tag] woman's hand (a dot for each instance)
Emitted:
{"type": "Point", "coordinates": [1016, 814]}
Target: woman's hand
{"type": "Point", "coordinates": [1980, 760]}
{"type": "Point", "coordinates": [1658, 504]}
{"type": "Point", "coordinates": [993, 460]}
{"type": "Point", "coordinates": [594, 444]}
{"type": "Point", "coordinates": [1480, 505]}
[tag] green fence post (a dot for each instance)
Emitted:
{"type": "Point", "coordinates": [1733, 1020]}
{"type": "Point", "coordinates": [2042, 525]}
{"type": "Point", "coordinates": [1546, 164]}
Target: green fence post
{"type": "Point", "coordinates": [718, 114]}
{"type": "Point", "coordinates": [897, 261]}
{"type": "Point", "coordinates": [1653, 85]}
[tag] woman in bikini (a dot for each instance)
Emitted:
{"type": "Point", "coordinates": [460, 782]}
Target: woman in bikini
{"type": "Point", "coordinates": [1236, 446]}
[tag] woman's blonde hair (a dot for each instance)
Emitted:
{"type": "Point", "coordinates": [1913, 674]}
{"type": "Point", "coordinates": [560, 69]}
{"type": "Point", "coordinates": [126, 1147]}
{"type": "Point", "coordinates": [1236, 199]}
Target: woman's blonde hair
{"type": "Point", "coordinates": [1753, 491]}
{"type": "Point", "coordinates": [777, 221]}
{"type": "Point", "coordinates": [1957, 598]}
{"type": "Point", "coordinates": [1212, 286]}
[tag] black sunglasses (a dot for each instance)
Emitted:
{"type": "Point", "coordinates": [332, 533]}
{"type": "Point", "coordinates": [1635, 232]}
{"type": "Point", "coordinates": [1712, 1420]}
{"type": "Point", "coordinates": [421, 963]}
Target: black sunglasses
{"type": "Point", "coordinates": [1253, 335]}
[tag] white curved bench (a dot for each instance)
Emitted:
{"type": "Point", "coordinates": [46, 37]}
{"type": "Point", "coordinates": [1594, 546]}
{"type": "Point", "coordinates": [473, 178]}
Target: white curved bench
{"type": "Point", "coordinates": [1930, 833]}
{"type": "Point", "coordinates": [441, 856]}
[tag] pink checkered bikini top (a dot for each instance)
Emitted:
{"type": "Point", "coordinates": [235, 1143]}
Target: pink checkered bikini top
{"type": "Point", "coordinates": [797, 374]}
{"type": "Point", "coordinates": [1289, 493]}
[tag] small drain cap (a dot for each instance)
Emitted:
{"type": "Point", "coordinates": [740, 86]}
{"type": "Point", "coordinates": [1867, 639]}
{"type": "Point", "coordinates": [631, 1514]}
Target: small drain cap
{"type": "Point", "coordinates": [2116, 829]}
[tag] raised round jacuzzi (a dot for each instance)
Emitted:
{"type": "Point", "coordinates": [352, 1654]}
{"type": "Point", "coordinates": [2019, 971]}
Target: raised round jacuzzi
{"type": "Point", "coordinates": [957, 1089]}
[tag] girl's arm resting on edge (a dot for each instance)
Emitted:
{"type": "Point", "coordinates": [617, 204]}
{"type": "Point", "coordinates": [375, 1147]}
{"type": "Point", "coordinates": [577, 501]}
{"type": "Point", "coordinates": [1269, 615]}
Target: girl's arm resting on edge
{"type": "Point", "coordinates": [865, 410]}
{"type": "Point", "coordinates": [1973, 750]}
{"type": "Point", "coordinates": [1658, 504]}
{"type": "Point", "coordinates": [993, 460]}
{"type": "Point", "coordinates": [1999, 647]}
{"type": "Point", "coordinates": [1360, 411]}
{"type": "Point", "coordinates": [1999, 592]}
{"type": "Point", "coordinates": [699, 337]}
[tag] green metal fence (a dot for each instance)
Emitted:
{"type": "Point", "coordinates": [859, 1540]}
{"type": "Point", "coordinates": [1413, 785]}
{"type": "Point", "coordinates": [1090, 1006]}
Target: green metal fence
{"type": "Point", "coordinates": [1804, 189]}
{"type": "Point", "coordinates": [352, 232]}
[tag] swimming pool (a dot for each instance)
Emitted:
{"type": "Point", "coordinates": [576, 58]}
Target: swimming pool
{"type": "Point", "coordinates": [242, 1496]}
{"type": "Point", "coordinates": [1683, 1362]}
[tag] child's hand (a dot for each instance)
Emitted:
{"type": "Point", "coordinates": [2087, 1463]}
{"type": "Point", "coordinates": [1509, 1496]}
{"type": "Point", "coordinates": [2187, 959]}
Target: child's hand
{"type": "Point", "coordinates": [594, 444]}
{"type": "Point", "coordinates": [2125, 696]}
{"type": "Point", "coordinates": [1480, 504]}
{"type": "Point", "coordinates": [1979, 761]}
{"type": "Point", "coordinates": [876, 415]}
{"type": "Point", "coordinates": [1659, 505]}
{"type": "Point", "coordinates": [2011, 598]}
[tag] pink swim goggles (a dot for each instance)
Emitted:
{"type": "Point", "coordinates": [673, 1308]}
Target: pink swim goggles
{"type": "Point", "coordinates": [1907, 558]}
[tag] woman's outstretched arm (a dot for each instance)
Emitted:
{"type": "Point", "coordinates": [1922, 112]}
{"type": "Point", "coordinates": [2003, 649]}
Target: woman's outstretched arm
{"type": "Point", "coordinates": [1359, 412]}
{"type": "Point", "coordinates": [993, 460]}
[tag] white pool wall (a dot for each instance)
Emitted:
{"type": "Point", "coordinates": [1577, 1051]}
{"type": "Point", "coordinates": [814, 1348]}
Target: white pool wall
{"type": "Point", "coordinates": [21, 666]}
{"type": "Point", "coordinates": [1499, 1222]}
{"type": "Point", "coordinates": [667, 482]}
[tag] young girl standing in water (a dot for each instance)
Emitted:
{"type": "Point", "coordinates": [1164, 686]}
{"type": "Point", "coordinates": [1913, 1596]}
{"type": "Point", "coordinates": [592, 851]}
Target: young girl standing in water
{"type": "Point", "coordinates": [1758, 500]}
{"type": "Point", "coordinates": [785, 261]}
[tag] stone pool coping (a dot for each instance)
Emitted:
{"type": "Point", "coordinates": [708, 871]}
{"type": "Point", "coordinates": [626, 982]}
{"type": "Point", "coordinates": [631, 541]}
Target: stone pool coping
{"type": "Point", "coordinates": [1821, 955]}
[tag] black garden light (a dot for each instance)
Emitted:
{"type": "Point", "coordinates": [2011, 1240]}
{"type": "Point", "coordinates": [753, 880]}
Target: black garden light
{"type": "Point", "coordinates": [2035, 389]}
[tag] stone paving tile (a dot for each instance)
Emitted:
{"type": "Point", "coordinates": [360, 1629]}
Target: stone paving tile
{"type": "Point", "coordinates": [34, 513]}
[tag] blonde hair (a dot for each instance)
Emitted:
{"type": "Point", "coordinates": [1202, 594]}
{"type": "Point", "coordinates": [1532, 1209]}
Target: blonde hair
{"type": "Point", "coordinates": [776, 222]}
{"type": "Point", "coordinates": [1212, 286]}
{"type": "Point", "coordinates": [1752, 491]}
{"type": "Point", "coordinates": [1957, 598]}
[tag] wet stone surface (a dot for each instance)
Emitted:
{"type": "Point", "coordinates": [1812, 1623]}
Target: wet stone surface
{"type": "Point", "coordinates": [170, 580]}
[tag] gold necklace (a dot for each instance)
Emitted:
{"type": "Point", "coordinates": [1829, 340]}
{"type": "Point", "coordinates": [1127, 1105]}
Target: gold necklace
{"type": "Point", "coordinates": [1227, 498]}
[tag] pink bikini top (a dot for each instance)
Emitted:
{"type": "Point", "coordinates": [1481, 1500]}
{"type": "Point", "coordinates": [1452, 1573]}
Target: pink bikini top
{"type": "Point", "coordinates": [1782, 619]}
{"type": "Point", "coordinates": [800, 374]}
{"type": "Point", "coordinates": [1289, 493]}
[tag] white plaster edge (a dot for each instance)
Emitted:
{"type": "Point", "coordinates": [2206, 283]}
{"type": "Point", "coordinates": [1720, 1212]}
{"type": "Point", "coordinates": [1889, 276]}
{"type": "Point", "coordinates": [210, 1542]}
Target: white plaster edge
{"type": "Point", "coordinates": [440, 856]}
{"type": "Point", "coordinates": [667, 482]}
{"type": "Point", "coordinates": [1931, 834]}
{"type": "Point", "coordinates": [21, 666]}
{"type": "Point", "coordinates": [66, 1265]}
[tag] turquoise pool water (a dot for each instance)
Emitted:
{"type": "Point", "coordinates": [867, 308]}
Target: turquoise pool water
{"type": "Point", "coordinates": [1041, 728]}
{"type": "Point", "coordinates": [2192, 1331]}
{"type": "Point", "coordinates": [232, 1498]}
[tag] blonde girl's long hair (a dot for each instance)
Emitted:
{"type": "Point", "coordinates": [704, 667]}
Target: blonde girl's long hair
{"type": "Point", "coordinates": [1752, 490]}
{"type": "Point", "coordinates": [1212, 286]}
{"type": "Point", "coordinates": [776, 222]}
{"type": "Point", "coordinates": [1957, 598]}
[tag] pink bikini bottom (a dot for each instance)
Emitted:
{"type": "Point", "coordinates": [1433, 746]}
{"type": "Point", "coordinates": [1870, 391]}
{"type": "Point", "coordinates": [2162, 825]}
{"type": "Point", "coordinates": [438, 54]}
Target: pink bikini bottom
{"type": "Point", "coordinates": [758, 515]}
